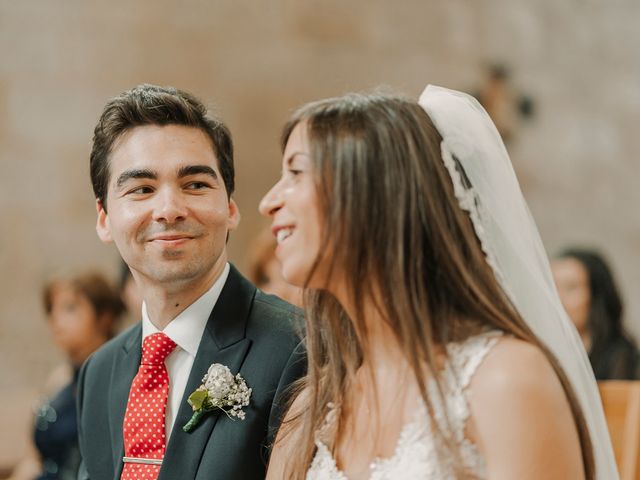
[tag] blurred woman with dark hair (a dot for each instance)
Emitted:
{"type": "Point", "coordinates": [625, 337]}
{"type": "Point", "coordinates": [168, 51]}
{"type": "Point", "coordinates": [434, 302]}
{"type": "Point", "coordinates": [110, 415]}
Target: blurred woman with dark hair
{"type": "Point", "coordinates": [82, 313]}
{"type": "Point", "coordinates": [591, 298]}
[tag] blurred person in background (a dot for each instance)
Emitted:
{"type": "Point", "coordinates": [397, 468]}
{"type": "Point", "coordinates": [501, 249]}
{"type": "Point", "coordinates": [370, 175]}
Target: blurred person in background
{"type": "Point", "coordinates": [82, 313]}
{"type": "Point", "coordinates": [591, 298]}
{"type": "Point", "coordinates": [504, 104]}
{"type": "Point", "coordinates": [265, 271]}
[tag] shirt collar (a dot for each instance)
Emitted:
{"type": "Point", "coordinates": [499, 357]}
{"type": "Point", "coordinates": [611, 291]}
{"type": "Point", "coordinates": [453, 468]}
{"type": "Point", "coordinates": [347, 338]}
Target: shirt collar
{"type": "Point", "coordinates": [187, 328]}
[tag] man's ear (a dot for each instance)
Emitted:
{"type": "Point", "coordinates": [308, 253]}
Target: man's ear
{"type": "Point", "coordinates": [234, 215]}
{"type": "Point", "coordinates": [103, 228]}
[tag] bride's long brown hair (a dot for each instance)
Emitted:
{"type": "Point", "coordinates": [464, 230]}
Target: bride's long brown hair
{"type": "Point", "coordinates": [397, 234]}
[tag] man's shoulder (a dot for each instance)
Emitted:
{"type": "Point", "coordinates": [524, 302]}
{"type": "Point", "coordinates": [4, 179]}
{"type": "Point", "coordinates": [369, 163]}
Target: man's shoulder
{"type": "Point", "coordinates": [274, 309]}
{"type": "Point", "coordinates": [271, 316]}
{"type": "Point", "coordinates": [276, 305]}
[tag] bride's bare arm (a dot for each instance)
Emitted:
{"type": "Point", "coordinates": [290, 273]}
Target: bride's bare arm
{"type": "Point", "coordinates": [284, 447]}
{"type": "Point", "coordinates": [521, 417]}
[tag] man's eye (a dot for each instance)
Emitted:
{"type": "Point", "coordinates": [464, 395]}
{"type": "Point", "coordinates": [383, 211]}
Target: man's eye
{"type": "Point", "coordinates": [141, 190]}
{"type": "Point", "coordinates": [197, 185]}
{"type": "Point", "coordinates": [295, 172]}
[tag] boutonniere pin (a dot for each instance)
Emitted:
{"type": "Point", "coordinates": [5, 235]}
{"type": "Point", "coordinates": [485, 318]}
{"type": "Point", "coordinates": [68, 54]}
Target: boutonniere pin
{"type": "Point", "coordinates": [220, 390]}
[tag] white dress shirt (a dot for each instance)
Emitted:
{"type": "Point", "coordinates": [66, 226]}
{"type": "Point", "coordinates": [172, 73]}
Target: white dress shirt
{"type": "Point", "coordinates": [186, 331]}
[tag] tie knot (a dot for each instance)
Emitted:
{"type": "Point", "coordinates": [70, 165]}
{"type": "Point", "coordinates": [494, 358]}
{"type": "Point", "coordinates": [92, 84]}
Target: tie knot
{"type": "Point", "coordinates": [155, 348]}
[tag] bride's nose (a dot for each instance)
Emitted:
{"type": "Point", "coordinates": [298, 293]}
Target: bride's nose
{"type": "Point", "coordinates": [272, 201]}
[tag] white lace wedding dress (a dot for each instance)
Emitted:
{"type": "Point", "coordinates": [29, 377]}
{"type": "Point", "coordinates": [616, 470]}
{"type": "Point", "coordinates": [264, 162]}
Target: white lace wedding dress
{"type": "Point", "coordinates": [418, 454]}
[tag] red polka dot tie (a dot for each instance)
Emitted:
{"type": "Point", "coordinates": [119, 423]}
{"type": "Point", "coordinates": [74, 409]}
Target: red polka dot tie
{"type": "Point", "coordinates": [143, 428]}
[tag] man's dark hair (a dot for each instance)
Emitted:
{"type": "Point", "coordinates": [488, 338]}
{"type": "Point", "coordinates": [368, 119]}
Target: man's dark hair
{"type": "Point", "coordinates": [153, 105]}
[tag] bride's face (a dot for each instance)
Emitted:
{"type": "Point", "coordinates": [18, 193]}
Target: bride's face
{"type": "Point", "coordinates": [293, 206]}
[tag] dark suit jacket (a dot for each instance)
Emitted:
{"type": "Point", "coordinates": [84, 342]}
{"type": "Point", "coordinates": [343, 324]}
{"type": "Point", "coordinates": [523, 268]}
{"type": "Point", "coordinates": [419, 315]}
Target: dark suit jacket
{"type": "Point", "coordinates": [249, 332]}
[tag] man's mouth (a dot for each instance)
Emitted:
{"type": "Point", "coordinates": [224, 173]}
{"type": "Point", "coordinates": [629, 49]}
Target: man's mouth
{"type": "Point", "coordinates": [171, 239]}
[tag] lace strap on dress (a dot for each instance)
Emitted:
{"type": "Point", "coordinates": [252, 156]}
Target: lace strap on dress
{"type": "Point", "coordinates": [466, 357]}
{"type": "Point", "coordinates": [463, 360]}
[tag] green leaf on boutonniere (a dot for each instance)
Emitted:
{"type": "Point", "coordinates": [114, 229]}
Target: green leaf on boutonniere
{"type": "Point", "coordinates": [197, 399]}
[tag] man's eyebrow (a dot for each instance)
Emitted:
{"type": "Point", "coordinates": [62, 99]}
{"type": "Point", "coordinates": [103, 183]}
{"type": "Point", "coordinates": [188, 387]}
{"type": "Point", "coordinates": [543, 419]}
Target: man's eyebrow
{"type": "Point", "coordinates": [136, 173]}
{"type": "Point", "coordinates": [197, 170]}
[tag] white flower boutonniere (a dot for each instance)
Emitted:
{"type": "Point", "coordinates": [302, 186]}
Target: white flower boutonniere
{"type": "Point", "coordinates": [219, 390]}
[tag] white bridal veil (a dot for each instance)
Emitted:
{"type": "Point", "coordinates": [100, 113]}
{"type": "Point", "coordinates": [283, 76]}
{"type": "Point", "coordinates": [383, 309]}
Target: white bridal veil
{"type": "Point", "coordinates": [472, 149]}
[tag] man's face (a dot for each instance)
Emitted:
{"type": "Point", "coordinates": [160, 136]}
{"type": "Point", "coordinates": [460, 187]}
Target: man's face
{"type": "Point", "coordinates": [168, 210]}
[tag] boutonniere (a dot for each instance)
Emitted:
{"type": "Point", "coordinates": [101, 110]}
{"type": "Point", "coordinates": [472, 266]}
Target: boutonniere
{"type": "Point", "coordinates": [220, 390]}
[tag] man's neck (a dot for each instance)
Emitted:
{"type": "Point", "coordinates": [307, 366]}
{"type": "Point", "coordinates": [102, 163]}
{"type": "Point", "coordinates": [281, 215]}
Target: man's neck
{"type": "Point", "coordinates": [166, 302]}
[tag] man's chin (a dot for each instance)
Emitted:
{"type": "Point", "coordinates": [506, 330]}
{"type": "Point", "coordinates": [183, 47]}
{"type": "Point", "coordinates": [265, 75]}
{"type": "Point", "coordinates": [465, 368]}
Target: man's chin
{"type": "Point", "coordinates": [177, 273]}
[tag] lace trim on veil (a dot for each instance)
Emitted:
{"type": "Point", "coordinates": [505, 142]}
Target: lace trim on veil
{"type": "Point", "coordinates": [469, 201]}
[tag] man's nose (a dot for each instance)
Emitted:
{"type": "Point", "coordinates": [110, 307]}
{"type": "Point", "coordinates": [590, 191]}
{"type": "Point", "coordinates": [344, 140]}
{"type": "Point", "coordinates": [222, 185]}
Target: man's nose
{"type": "Point", "coordinates": [272, 201]}
{"type": "Point", "coordinates": [170, 206]}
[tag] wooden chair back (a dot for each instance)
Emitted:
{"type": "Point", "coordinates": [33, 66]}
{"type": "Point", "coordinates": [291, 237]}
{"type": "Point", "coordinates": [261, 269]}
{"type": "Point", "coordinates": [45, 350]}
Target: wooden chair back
{"type": "Point", "coordinates": [621, 402]}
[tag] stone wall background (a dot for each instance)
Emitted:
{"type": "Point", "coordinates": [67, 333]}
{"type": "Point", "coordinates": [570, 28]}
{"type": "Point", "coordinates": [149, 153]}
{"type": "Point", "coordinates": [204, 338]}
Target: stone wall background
{"type": "Point", "coordinates": [254, 62]}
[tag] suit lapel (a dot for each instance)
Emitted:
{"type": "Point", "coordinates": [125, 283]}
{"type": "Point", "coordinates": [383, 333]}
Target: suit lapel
{"type": "Point", "coordinates": [125, 367]}
{"type": "Point", "coordinates": [224, 342]}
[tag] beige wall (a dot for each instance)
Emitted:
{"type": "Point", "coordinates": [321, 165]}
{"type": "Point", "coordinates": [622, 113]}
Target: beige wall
{"type": "Point", "coordinates": [255, 61]}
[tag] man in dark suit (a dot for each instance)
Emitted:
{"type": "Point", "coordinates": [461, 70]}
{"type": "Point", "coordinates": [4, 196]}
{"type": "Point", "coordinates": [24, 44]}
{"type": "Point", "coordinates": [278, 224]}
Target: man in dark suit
{"type": "Point", "coordinates": [162, 173]}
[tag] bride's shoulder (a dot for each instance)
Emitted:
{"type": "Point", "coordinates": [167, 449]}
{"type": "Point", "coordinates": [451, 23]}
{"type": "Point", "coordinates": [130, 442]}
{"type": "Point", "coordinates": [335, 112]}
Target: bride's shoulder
{"type": "Point", "coordinates": [519, 406]}
{"type": "Point", "coordinates": [515, 367]}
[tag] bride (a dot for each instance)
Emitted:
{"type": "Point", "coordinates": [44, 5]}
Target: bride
{"type": "Point", "coordinates": [437, 345]}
